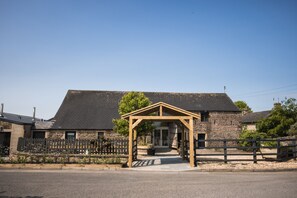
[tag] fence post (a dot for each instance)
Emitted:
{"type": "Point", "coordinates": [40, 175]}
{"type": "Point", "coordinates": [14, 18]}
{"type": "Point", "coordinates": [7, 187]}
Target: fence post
{"type": "Point", "coordinates": [254, 151]}
{"type": "Point", "coordinates": [278, 150]}
{"type": "Point", "coordinates": [195, 160]}
{"type": "Point", "coordinates": [225, 151]}
{"type": "Point", "coordinates": [294, 148]}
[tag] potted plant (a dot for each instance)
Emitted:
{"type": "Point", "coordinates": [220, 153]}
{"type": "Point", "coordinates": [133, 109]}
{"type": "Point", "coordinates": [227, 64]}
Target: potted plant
{"type": "Point", "coordinates": [151, 149]}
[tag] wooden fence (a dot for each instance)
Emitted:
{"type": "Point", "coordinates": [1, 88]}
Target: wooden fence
{"type": "Point", "coordinates": [276, 150]}
{"type": "Point", "coordinates": [102, 147]}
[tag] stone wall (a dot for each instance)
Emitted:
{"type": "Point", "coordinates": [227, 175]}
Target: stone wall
{"type": "Point", "coordinates": [55, 134]}
{"type": "Point", "coordinates": [80, 134]}
{"type": "Point", "coordinates": [17, 131]}
{"type": "Point", "coordinates": [250, 127]}
{"type": "Point", "coordinates": [220, 125]}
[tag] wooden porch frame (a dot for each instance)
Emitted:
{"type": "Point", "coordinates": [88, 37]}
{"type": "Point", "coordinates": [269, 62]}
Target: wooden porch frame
{"type": "Point", "coordinates": [185, 117]}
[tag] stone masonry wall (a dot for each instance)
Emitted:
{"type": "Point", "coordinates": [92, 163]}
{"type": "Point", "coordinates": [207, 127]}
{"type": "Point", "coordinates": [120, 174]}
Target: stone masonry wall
{"type": "Point", "coordinates": [224, 125]}
{"type": "Point", "coordinates": [220, 125]}
{"type": "Point", "coordinates": [80, 134]}
{"type": "Point", "coordinates": [16, 132]}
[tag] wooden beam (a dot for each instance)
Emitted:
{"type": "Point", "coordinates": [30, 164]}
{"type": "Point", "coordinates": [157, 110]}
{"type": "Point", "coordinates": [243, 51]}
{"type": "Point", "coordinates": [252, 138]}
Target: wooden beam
{"type": "Point", "coordinates": [130, 159]}
{"type": "Point", "coordinates": [158, 105]}
{"type": "Point", "coordinates": [134, 134]}
{"type": "Point", "coordinates": [191, 141]}
{"type": "Point", "coordinates": [161, 110]}
{"type": "Point", "coordinates": [161, 117]}
{"type": "Point", "coordinates": [187, 113]}
{"type": "Point", "coordinates": [135, 124]}
{"type": "Point", "coordinates": [141, 110]}
{"type": "Point", "coordinates": [185, 123]}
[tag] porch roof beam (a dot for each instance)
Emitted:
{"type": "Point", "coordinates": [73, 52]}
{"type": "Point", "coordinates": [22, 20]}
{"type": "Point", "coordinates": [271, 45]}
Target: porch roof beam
{"type": "Point", "coordinates": [161, 117]}
{"type": "Point", "coordinates": [135, 124]}
{"type": "Point", "coordinates": [185, 123]}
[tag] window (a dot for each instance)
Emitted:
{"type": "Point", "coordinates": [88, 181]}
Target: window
{"type": "Point", "coordinates": [201, 137]}
{"type": "Point", "coordinates": [100, 135]}
{"type": "Point", "coordinates": [204, 116]}
{"type": "Point", "coordinates": [38, 134]}
{"type": "Point", "coordinates": [70, 135]}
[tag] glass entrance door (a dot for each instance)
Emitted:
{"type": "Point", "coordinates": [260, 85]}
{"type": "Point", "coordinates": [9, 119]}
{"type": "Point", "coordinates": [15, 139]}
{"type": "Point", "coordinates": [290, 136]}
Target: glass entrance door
{"type": "Point", "coordinates": [161, 137]}
{"type": "Point", "coordinates": [157, 137]}
{"type": "Point", "coordinates": [165, 137]}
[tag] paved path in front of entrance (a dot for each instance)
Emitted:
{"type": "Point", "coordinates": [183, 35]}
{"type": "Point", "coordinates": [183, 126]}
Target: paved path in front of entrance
{"type": "Point", "coordinates": [161, 163]}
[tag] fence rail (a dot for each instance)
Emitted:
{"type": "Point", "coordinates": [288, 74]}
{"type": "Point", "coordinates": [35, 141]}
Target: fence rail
{"type": "Point", "coordinates": [104, 147]}
{"type": "Point", "coordinates": [282, 149]}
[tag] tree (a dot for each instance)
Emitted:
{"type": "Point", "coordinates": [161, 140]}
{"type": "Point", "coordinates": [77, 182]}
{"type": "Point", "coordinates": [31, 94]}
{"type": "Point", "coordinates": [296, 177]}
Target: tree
{"type": "Point", "coordinates": [243, 106]}
{"type": "Point", "coordinates": [282, 116]}
{"type": "Point", "coordinates": [131, 102]}
{"type": "Point", "coordinates": [248, 135]}
{"type": "Point", "coordinates": [293, 129]}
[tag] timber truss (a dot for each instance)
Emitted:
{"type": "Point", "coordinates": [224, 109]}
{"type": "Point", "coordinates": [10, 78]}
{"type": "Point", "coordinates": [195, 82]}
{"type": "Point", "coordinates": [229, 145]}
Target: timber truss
{"type": "Point", "coordinates": [161, 112]}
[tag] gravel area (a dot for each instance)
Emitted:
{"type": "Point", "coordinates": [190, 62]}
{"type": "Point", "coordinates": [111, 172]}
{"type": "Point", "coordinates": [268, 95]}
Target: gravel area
{"type": "Point", "coordinates": [249, 166]}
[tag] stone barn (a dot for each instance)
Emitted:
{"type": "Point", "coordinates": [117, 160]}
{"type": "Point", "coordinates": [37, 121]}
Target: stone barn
{"type": "Point", "coordinates": [89, 114]}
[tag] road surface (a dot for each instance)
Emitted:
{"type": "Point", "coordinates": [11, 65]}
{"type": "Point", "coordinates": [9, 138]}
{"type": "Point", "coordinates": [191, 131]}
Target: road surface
{"type": "Point", "coordinates": [26, 183]}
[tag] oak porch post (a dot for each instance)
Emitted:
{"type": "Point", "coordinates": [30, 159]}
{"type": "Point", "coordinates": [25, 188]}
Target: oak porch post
{"type": "Point", "coordinates": [130, 143]}
{"type": "Point", "coordinates": [191, 141]}
{"type": "Point", "coordinates": [183, 143]}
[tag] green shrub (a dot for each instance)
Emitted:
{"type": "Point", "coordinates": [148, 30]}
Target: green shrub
{"type": "Point", "coordinates": [49, 160]}
{"type": "Point", "coordinates": [21, 159]}
{"type": "Point", "coordinates": [250, 135]}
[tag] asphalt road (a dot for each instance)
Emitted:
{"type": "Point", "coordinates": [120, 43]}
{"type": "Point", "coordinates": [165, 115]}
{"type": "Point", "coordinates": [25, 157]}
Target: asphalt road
{"type": "Point", "coordinates": [22, 183]}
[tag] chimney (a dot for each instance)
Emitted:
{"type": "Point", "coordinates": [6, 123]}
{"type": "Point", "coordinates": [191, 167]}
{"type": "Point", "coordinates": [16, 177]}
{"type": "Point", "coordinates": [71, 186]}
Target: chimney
{"type": "Point", "coordinates": [2, 109]}
{"type": "Point", "coordinates": [34, 112]}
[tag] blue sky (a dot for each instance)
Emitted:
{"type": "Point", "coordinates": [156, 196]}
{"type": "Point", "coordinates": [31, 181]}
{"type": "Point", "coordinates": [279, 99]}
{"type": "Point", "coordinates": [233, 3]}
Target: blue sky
{"type": "Point", "coordinates": [48, 47]}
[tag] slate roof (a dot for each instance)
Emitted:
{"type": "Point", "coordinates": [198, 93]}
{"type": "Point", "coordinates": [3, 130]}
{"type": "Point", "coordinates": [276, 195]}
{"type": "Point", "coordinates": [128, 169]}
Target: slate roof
{"type": "Point", "coordinates": [96, 109]}
{"type": "Point", "coordinates": [255, 117]}
{"type": "Point", "coordinates": [17, 119]}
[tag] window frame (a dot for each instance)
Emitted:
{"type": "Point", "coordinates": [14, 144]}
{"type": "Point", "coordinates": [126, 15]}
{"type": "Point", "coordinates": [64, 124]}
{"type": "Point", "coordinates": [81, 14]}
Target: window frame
{"type": "Point", "coordinates": [100, 136]}
{"type": "Point", "coordinates": [67, 136]}
{"type": "Point", "coordinates": [35, 132]}
{"type": "Point", "coordinates": [204, 116]}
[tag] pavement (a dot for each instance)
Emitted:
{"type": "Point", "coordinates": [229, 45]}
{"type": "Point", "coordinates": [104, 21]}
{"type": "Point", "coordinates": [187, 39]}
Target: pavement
{"type": "Point", "coordinates": [169, 160]}
{"type": "Point", "coordinates": [163, 160]}
{"type": "Point", "coordinates": [162, 163]}
{"type": "Point", "coordinates": [144, 184]}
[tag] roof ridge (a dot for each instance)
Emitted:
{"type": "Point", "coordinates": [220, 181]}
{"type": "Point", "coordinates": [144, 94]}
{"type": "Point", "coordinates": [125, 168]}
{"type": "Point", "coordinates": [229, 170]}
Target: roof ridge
{"type": "Point", "coordinates": [18, 114]}
{"type": "Point", "coordinates": [259, 112]}
{"type": "Point", "coordinates": [202, 93]}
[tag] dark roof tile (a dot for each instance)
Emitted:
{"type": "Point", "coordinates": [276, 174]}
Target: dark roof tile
{"type": "Point", "coordinates": [96, 109]}
{"type": "Point", "coordinates": [15, 118]}
{"type": "Point", "coordinates": [255, 117]}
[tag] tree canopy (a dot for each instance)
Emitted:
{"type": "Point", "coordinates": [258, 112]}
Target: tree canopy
{"type": "Point", "coordinates": [243, 106]}
{"type": "Point", "coordinates": [131, 102]}
{"type": "Point", "coordinates": [280, 120]}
